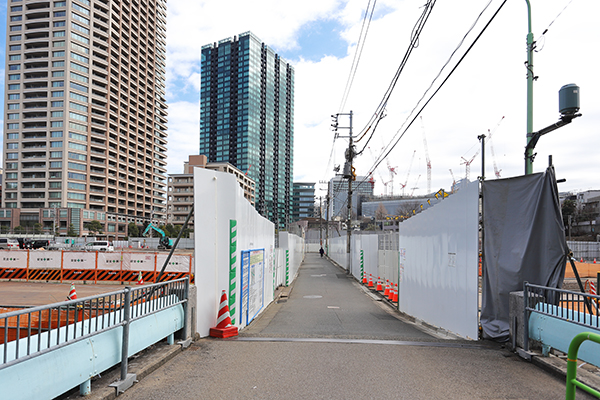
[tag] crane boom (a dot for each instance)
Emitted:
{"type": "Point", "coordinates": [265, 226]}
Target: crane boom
{"type": "Point", "coordinates": [408, 172]}
{"type": "Point", "coordinates": [427, 160]}
{"type": "Point", "coordinates": [413, 189]}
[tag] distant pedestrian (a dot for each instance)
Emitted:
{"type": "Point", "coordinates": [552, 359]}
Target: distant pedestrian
{"type": "Point", "coordinates": [321, 251]}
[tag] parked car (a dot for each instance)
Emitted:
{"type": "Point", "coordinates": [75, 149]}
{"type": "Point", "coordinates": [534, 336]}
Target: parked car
{"type": "Point", "coordinates": [9, 243]}
{"type": "Point", "coordinates": [40, 244]}
{"type": "Point", "coordinates": [99, 245]}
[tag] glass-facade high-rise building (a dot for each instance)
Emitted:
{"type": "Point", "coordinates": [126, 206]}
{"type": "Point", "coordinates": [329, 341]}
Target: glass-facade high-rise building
{"type": "Point", "coordinates": [85, 109]}
{"type": "Point", "coordinates": [247, 118]}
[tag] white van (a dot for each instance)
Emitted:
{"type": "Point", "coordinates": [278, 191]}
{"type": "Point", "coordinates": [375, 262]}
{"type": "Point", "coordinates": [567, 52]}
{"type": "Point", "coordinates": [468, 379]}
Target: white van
{"type": "Point", "coordinates": [9, 243]}
{"type": "Point", "coordinates": [99, 245]}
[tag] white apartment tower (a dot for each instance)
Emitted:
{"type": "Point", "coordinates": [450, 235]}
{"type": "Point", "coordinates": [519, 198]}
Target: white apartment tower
{"type": "Point", "coordinates": [85, 109]}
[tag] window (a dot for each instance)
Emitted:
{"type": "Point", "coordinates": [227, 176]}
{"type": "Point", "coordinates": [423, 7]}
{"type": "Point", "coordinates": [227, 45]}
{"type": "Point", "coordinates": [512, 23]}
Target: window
{"type": "Point", "coordinates": [55, 195]}
{"type": "Point", "coordinates": [56, 154]}
{"type": "Point", "coordinates": [14, 67]}
{"type": "Point", "coordinates": [14, 57]}
{"type": "Point", "coordinates": [75, 205]}
{"type": "Point", "coordinates": [16, 28]}
{"type": "Point", "coordinates": [56, 144]}
{"type": "Point", "coordinates": [58, 83]}
{"type": "Point", "coordinates": [56, 114]}
{"type": "Point", "coordinates": [77, 86]}
{"type": "Point", "coordinates": [56, 134]}
{"type": "Point", "coordinates": [14, 77]}
{"type": "Point", "coordinates": [75, 175]}
{"type": "Point", "coordinates": [14, 38]}
{"type": "Point", "coordinates": [79, 18]}
{"type": "Point", "coordinates": [16, 8]}
{"type": "Point", "coordinates": [14, 96]}
{"type": "Point", "coordinates": [10, 205]}
{"type": "Point", "coordinates": [77, 146]}
{"type": "Point", "coordinates": [55, 164]}
{"type": "Point", "coordinates": [76, 96]}
{"type": "Point", "coordinates": [78, 117]}
{"type": "Point", "coordinates": [58, 34]}
{"type": "Point", "coordinates": [78, 166]}
{"type": "Point", "coordinates": [56, 124]}
{"type": "Point", "coordinates": [77, 136]}
{"type": "Point", "coordinates": [80, 28]}
{"type": "Point", "coordinates": [14, 86]}
{"type": "Point", "coordinates": [58, 93]}
{"type": "Point", "coordinates": [12, 135]}
{"type": "Point", "coordinates": [58, 63]}
{"type": "Point", "coordinates": [12, 165]}
{"type": "Point", "coordinates": [59, 103]}
{"type": "Point", "coordinates": [14, 106]}
{"type": "Point", "coordinates": [12, 156]}
{"type": "Point", "coordinates": [55, 185]}
{"type": "Point", "coordinates": [76, 186]}
{"type": "Point", "coordinates": [58, 74]}
{"type": "Point", "coordinates": [77, 156]}
{"type": "Point", "coordinates": [16, 18]}
{"type": "Point", "coordinates": [82, 39]}
{"type": "Point", "coordinates": [12, 126]}
{"type": "Point", "coordinates": [58, 54]}
{"type": "Point", "coordinates": [79, 67]}
{"type": "Point", "coordinates": [81, 9]}
{"type": "Point", "coordinates": [11, 175]}
{"type": "Point", "coordinates": [12, 146]}
{"type": "Point", "coordinates": [77, 57]}
{"type": "Point", "coordinates": [55, 174]}
{"type": "Point", "coordinates": [80, 48]}
{"type": "Point", "coordinates": [58, 24]}
{"type": "Point", "coordinates": [78, 106]}
{"type": "Point", "coordinates": [14, 47]}
{"type": "Point", "coordinates": [58, 43]}
{"type": "Point", "coordinates": [13, 116]}
{"type": "Point", "coordinates": [60, 4]}
{"type": "Point", "coordinates": [78, 77]}
{"type": "Point", "coordinates": [58, 14]}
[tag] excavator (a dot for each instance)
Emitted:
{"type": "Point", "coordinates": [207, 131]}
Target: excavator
{"type": "Point", "coordinates": [164, 242]}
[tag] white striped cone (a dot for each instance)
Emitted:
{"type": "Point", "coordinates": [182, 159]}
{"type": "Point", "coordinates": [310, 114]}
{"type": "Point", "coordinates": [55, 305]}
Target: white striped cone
{"type": "Point", "coordinates": [223, 318]}
{"type": "Point", "coordinates": [140, 280]}
{"type": "Point", "coordinates": [592, 287]}
{"type": "Point", "coordinates": [72, 293]}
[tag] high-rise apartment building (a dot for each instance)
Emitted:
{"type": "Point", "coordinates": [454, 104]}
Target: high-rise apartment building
{"type": "Point", "coordinates": [85, 109]}
{"type": "Point", "coordinates": [247, 118]}
{"type": "Point", "coordinates": [303, 201]}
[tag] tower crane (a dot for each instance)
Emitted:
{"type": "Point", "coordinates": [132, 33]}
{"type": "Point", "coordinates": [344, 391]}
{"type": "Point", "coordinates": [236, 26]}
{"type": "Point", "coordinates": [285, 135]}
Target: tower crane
{"type": "Point", "coordinates": [496, 170]}
{"type": "Point", "coordinates": [413, 189]}
{"type": "Point", "coordinates": [467, 164]}
{"type": "Point", "coordinates": [453, 180]}
{"type": "Point", "coordinates": [408, 173]}
{"type": "Point", "coordinates": [380, 176]}
{"type": "Point", "coordinates": [427, 160]}
{"type": "Point", "coordinates": [392, 173]}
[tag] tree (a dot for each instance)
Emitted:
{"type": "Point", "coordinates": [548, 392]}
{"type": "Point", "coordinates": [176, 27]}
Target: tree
{"type": "Point", "coordinates": [37, 228]}
{"type": "Point", "coordinates": [71, 231]}
{"type": "Point", "coordinates": [406, 208]}
{"type": "Point", "coordinates": [133, 230]}
{"type": "Point", "coordinates": [93, 227]}
{"type": "Point", "coordinates": [381, 212]}
{"type": "Point", "coordinates": [19, 229]}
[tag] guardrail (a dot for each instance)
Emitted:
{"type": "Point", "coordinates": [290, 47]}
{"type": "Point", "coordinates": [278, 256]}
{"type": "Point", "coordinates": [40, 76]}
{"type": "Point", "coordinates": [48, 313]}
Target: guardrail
{"type": "Point", "coordinates": [572, 382]}
{"type": "Point", "coordinates": [38, 331]}
{"type": "Point", "coordinates": [574, 307]}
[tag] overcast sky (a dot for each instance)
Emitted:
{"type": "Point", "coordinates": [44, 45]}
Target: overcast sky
{"type": "Point", "coordinates": [318, 37]}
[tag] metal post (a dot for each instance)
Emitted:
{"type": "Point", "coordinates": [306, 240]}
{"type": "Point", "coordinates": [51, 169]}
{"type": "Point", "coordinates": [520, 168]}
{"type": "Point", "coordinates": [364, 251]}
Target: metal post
{"type": "Point", "coordinates": [530, 78]}
{"type": "Point", "coordinates": [349, 227]}
{"type": "Point", "coordinates": [320, 222]}
{"type": "Point", "coordinates": [125, 322]}
{"type": "Point", "coordinates": [327, 224]}
{"type": "Point", "coordinates": [525, 318]}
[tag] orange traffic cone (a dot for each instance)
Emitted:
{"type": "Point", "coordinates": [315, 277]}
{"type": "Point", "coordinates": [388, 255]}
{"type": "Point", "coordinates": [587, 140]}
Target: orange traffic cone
{"type": "Point", "coordinates": [140, 280]}
{"type": "Point", "coordinates": [581, 259]}
{"type": "Point", "coordinates": [379, 287]}
{"type": "Point", "coordinates": [386, 292]}
{"type": "Point", "coordinates": [395, 298]}
{"type": "Point", "coordinates": [594, 261]}
{"type": "Point", "coordinates": [364, 279]}
{"type": "Point", "coordinates": [391, 294]}
{"type": "Point", "coordinates": [224, 329]}
{"type": "Point", "coordinates": [72, 293]}
{"type": "Point", "coordinates": [370, 280]}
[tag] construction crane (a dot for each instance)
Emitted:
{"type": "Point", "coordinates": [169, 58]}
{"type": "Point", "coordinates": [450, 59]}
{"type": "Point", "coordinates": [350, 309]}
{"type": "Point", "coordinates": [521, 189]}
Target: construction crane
{"type": "Point", "coordinates": [467, 164]}
{"type": "Point", "coordinates": [496, 170]}
{"type": "Point", "coordinates": [453, 180]}
{"type": "Point", "coordinates": [416, 187]}
{"type": "Point", "coordinates": [427, 160]}
{"type": "Point", "coordinates": [408, 173]}
{"type": "Point", "coordinates": [392, 173]}
{"type": "Point", "coordinates": [380, 176]}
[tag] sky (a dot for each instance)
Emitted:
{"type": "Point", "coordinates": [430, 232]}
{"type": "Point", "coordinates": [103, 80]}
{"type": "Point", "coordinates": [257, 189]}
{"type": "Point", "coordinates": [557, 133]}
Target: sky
{"type": "Point", "coordinates": [486, 93]}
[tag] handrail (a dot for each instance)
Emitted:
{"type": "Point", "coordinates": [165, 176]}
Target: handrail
{"type": "Point", "coordinates": [572, 381]}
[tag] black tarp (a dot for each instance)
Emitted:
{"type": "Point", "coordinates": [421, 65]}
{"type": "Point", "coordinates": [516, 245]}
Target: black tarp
{"type": "Point", "coordinates": [524, 240]}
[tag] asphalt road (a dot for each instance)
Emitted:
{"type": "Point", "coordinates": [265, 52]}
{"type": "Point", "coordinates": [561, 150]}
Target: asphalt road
{"type": "Point", "coordinates": [330, 340]}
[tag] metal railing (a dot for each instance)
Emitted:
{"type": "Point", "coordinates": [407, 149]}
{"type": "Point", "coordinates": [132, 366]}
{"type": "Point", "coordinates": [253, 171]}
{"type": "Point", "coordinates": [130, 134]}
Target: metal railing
{"type": "Point", "coordinates": [575, 307]}
{"type": "Point", "coordinates": [572, 381]}
{"type": "Point", "coordinates": [34, 331]}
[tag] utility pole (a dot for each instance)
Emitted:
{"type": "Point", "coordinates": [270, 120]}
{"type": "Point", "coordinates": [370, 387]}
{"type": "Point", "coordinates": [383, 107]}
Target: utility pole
{"type": "Point", "coordinates": [320, 223]}
{"type": "Point", "coordinates": [349, 174]}
{"type": "Point", "coordinates": [530, 79]}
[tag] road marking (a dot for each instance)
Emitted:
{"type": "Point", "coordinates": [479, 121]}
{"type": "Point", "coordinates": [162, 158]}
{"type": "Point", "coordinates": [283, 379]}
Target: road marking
{"type": "Point", "coordinates": [332, 307]}
{"type": "Point", "coordinates": [318, 276]}
{"type": "Point", "coordinates": [452, 344]}
{"type": "Point", "coordinates": [312, 296]}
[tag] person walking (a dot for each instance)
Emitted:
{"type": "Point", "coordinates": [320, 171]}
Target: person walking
{"type": "Point", "coordinates": [321, 251]}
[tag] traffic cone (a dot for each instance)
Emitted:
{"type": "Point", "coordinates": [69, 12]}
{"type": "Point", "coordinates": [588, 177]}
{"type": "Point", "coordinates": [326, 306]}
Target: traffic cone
{"type": "Point", "coordinates": [581, 259]}
{"type": "Point", "coordinates": [386, 292]}
{"type": "Point", "coordinates": [395, 298]}
{"type": "Point", "coordinates": [72, 293]}
{"type": "Point", "coordinates": [370, 280]}
{"type": "Point", "coordinates": [391, 294]}
{"type": "Point", "coordinates": [594, 261]}
{"type": "Point", "coordinates": [140, 280]}
{"type": "Point", "coordinates": [224, 329]}
{"type": "Point", "coordinates": [379, 288]}
{"type": "Point", "coordinates": [364, 279]}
